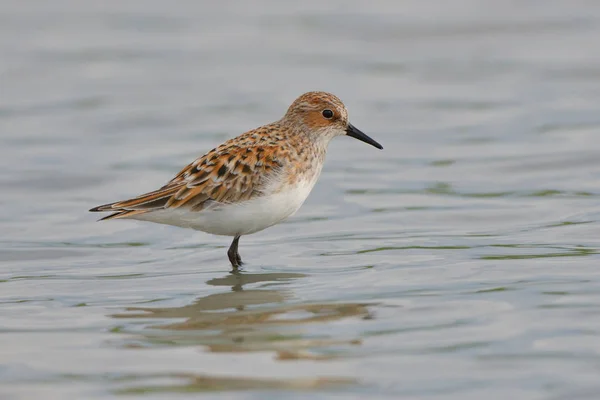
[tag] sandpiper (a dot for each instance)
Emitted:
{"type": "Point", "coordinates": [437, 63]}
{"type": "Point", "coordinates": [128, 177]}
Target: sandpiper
{"type": "Point", "coordinates": [250, 182]}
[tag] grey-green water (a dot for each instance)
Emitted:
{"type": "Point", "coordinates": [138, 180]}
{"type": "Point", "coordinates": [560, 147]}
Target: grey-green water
{"type": "Point", "coordinates": [459, 263]}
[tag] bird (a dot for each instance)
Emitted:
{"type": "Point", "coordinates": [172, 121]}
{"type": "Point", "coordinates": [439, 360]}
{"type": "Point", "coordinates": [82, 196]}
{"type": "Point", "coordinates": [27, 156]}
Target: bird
{"type": "Point", "coordinates": [250, 182]}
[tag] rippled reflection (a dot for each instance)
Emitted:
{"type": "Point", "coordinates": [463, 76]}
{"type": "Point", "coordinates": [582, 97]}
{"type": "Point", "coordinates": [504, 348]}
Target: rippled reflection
{"type": "Point", "coordinates": [185, 383]}
{"type": "Point", "coordinates": [242, 320]}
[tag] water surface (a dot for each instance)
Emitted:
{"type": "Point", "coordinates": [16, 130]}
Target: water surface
{"type": "Point", "coordinates": [460, 262]}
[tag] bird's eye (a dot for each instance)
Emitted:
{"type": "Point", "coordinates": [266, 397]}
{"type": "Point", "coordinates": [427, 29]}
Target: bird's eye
{"type": "Point", "coordinates": [328, 114]}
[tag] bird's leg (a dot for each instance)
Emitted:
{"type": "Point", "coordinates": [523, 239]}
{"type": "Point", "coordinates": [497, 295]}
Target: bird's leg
{"type": "Point", "coordinates": [232, 253]}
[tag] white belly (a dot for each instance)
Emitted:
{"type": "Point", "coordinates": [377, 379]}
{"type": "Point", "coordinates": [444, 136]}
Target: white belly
{"type": "Point", "coordinates": [236, 219]}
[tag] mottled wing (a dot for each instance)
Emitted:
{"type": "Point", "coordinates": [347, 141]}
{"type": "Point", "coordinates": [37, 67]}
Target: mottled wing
{"type": "Point", "coordinates": [225, 175]}
{"type": "Point", "coordinates": [236, 171]}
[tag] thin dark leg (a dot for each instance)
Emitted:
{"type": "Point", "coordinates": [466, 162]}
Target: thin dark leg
{"type": "Point", "coordinates": [232, 253]}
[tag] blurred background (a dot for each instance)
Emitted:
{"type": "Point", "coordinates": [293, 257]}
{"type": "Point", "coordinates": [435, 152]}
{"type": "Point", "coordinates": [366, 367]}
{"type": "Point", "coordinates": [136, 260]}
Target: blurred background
{"type": "Point", "coordinates": [460, 262]}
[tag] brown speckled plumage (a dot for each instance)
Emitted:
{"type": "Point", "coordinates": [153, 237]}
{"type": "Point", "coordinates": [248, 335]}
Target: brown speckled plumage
{"type": "Point", "coordinates": [275, 158]}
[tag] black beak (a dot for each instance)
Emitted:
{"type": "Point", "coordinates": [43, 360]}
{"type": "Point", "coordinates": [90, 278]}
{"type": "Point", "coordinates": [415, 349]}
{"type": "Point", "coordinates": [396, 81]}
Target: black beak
{"type": "Point", "coordinates": [351, 130]}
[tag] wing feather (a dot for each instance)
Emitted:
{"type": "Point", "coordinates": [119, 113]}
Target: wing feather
{"type": "Point", "coordinates": [236, 171]}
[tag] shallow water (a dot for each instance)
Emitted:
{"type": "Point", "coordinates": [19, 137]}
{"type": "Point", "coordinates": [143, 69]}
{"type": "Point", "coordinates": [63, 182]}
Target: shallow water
{"type": "Point", "coordinates": [460, 262]}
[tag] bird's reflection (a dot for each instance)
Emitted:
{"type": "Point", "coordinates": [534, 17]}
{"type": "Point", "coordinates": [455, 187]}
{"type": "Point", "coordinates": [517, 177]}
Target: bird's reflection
{"type": "Point", "coordinates": [248, 319]}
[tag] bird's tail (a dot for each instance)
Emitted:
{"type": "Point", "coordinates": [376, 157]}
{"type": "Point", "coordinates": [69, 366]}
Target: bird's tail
{"type": "Point", "coordinates": [151, 201]}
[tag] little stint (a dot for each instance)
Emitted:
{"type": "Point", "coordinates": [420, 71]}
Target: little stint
{"type": "Point", "coordinates": [250, 182]}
